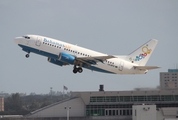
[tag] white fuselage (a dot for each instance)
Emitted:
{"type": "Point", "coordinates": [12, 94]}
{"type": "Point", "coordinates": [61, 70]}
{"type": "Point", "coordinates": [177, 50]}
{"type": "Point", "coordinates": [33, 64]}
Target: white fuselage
{"type": "Point", "coordinates": [50, 48]}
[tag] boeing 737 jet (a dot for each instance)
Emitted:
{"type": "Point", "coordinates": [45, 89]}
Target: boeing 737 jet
{"type": "Point", "coordinates": [62, 53]}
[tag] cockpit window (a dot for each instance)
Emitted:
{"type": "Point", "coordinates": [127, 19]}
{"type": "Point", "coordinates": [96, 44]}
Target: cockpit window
{"type": "Point", "coordinates": [26, 37]}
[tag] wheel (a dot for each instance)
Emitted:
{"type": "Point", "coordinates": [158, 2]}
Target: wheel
{"type": "Point", "coordinates": [27, 55]}
{"type": "Point", "coordinates": [80, 70]}
{"type": "Point", "coordinates": [75, 71]}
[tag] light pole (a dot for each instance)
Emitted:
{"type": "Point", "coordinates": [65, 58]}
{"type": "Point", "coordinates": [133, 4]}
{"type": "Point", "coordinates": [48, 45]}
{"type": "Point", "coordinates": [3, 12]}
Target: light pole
{"type": "Point", "coordinates": [67, 108]}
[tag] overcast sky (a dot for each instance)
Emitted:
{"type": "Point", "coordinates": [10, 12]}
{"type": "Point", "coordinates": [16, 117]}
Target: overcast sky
{"type": "Point", "coordinates": [115, 27]}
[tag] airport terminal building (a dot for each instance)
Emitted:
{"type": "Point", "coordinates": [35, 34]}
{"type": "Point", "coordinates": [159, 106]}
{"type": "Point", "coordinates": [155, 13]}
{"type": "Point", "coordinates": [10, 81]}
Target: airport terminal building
{"type": "Point", "coordinates": [121, 105]}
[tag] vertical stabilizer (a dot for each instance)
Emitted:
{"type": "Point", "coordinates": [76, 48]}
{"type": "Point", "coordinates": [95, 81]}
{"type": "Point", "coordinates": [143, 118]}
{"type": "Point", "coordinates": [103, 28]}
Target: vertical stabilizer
{"type": "Point", "coordinates": [141, 55]}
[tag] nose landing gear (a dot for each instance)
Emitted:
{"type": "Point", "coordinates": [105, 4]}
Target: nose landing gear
{"type": "Point", "coordinates": [27, 55]}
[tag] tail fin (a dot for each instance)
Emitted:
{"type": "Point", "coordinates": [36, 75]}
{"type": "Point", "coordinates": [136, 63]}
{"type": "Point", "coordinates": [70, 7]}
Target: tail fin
{"type": "Point", "coordinates": [141, 55]}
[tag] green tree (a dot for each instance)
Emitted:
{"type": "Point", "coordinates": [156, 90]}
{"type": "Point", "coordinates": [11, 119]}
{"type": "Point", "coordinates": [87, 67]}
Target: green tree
{"type": "Point", "coordinates": [13, 103]}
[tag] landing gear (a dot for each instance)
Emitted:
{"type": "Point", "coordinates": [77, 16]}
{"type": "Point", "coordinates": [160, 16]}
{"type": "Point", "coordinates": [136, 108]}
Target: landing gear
{"type": "Point", "coordinates": [79, 69]}
{"type": "Point", "coordinates": [27, 55]}
{"type": "Point", "coordinates": [75, 70]}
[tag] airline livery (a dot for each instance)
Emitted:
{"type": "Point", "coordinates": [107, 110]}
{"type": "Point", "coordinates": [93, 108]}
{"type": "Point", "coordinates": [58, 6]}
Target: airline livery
{"type": "Point", "coordinates": [62, 53]}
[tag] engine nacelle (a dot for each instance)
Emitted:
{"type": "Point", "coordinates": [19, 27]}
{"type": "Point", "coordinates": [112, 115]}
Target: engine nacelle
{"type": "Point", "coordinates": [67, 58]}
{"type": "Point", "coordinates": [56, 62]}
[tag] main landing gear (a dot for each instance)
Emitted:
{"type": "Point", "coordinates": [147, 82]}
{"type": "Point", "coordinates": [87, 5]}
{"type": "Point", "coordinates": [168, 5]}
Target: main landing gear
{"type": "Point", "coordinates": [79, 69]}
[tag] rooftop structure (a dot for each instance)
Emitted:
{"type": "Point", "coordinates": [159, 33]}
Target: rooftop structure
{"type": "Point", "coordinates": [169, 80]}
{"type": "Point", "coordinates": [172, 70]}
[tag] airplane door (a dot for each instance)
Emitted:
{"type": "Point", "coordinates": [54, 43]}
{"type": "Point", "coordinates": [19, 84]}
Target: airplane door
{"type": "Point", "coordinates": [75, 52]}
{"type": "Point", "coordinates": [121, 66]}
{"type": "Point", "coordinates": [38, 42]}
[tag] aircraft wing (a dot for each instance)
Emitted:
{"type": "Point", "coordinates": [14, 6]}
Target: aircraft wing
{"type": "Point", "coordinates": [94, 59]}
{"type": "Point", "coordinates": [146, 67]}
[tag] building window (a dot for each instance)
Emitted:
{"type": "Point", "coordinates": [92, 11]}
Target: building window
{"type": "Point", "coordinates": [113, 112]}
{"type": "Point", "coordinates": [130, 112]}
{"type": "Point", "coordinates": [120, 112]}
{"type": "Point", "coordinates": [106, 112]}
{"type": "Point", "coordinates": [127, 112]}
{"type": "Point", "coordinates": [110, 112]}
{"type": "Point", "coordinates": [116, 112]}
{"type": "Point", "coordinates": [124, 112]}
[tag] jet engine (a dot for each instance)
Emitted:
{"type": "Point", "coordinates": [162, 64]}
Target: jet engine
{"type": "Point", "coordinates": [67, 58]}
{"type": "Point", "coordinates": [56, 62]}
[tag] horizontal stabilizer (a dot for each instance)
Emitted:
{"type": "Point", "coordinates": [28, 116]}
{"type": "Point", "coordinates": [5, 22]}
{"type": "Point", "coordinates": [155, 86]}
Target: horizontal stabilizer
{"type": "Point", "coordinates": [146, 67]}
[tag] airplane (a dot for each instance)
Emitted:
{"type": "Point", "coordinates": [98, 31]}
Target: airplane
{"type": "Point", "coordinates": [63, 53]}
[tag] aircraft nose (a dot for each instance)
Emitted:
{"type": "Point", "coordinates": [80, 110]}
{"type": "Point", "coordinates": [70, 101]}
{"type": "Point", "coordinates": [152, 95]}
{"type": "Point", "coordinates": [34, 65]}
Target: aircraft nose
{"type": "Point", "coordinates": [17, 40]}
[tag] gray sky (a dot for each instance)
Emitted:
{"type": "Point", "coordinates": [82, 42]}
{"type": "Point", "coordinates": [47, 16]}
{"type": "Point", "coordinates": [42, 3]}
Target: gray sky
{"type": "Point", "coordinates": [114, 27]}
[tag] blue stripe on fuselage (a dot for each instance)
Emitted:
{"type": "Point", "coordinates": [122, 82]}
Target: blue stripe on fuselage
{"type": "Point", "coordinates": [47, 54]}
{"type": "Point", "coordinates": [30, 49]}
